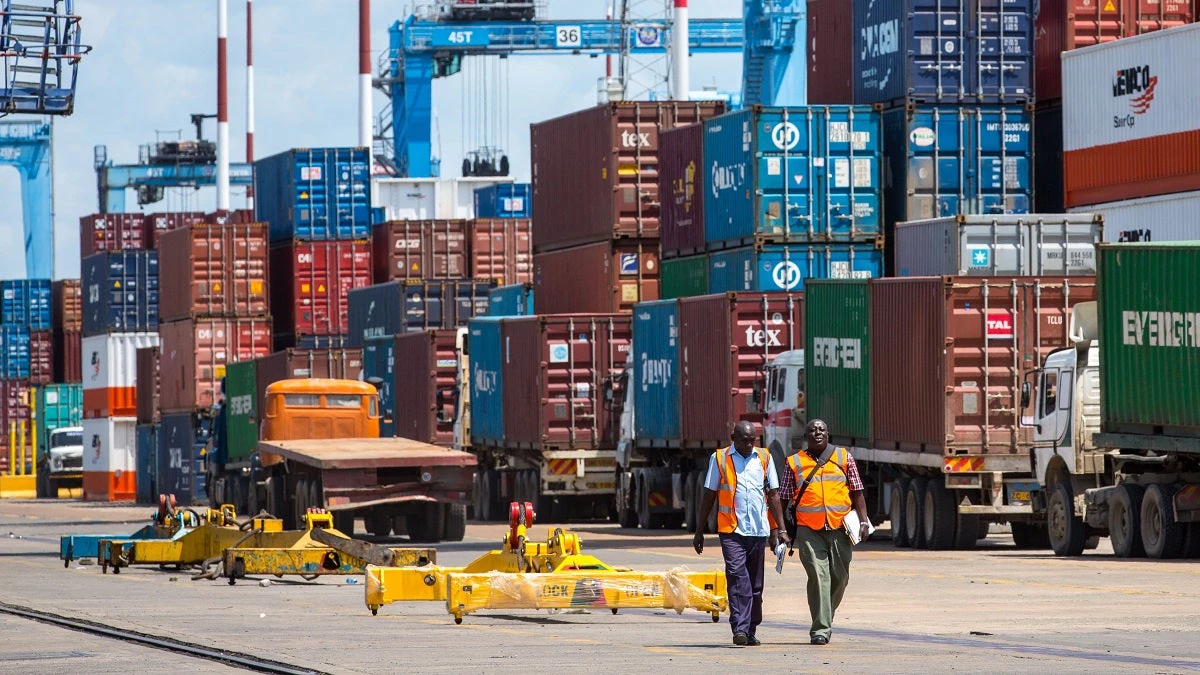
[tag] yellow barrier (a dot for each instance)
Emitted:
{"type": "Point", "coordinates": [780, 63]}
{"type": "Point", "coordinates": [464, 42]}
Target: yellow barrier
{"type": "Point", "coordinates": [16, 482]}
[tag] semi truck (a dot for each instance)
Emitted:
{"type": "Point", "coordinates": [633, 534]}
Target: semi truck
{"type": "Point", "coordinates": [1116, 414]}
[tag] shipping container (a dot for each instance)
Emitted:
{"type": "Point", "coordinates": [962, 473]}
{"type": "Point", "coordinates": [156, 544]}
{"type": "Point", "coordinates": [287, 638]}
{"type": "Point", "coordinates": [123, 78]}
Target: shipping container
{"type": "Point", "coordinates": [27, 302]}
{"type": "Point", "coordinates": [311, 284]}
{"type": "Point", "coordinates": [102, 232]}
{"type": "Point", "coordinates": [149, 383]}
{"type": "Point", "coordinates": [1071, 24]}
{"type": "Point", "coordinates": [684, 277]}
{"type": "Point", "coordinates": [146, 461]}
{"type": "Point", "coordinates": [314, 194]}
{"type": "Point", "coordinates": [1123, 138]}
{"type": "Point", "coordinates": [681, 189]}
{"type": "Point", "coordinates": [235, 216]}
{"type": "Point", "coordinates": [179, 466]}
{"type": "Point", "coordinates": [109, 459]}
{"type": "Point", "coordinates": [785, 268]}
{"type": "Point", "coordinates": [837, 367]}
{"type": "Point", "coordinates": [830, 52]}
{"type": "Point", "coordinates": [57, 406]}
{"type": "Point", "coordinates": [68, 305]}
{"type": "Point", "coordinates": [511, 300]}
{"type": "Point", "coordinates": [425, 386]}
{"type": "Point", "coordinates": [429, 198]}
{"type": "Point", "coordinates": [16, 415]}
{"type": "Point", "coordinates": [110, 373]}
{"type": "Point", "coordinates": [1174, 217]}
{"type": "Point", "coordinates": [379, 361]}
{"type": "Point", "coordinates": [485, 343]}
{"type": "Point", "coordinates": [1149, 331]}
{"type": "Point", "coordinates": [655, 378]}
{"type": "Point", "coordinates": [194, 353]}
{"type": "Point", "coordinates": [68, 359]}
{"type": "Point", "coordinates": [243, 411]}
{"type": "Point", "coordinates": [926, 51]}
{"type": "Point", "coordinates": [120, 292]}
{"type": "Point", "coordinates": [41, 357]}
{"type": "Point", "coordinates": [158, 223]}
{"type": "Point", "coordinates": [596, 278]}
{"type": "Point", "coordinates": [213, 271]}
{"type": "Point", "coordinates": [1029, 245]}
{"type": "Point", "coordinates": [595, 171]}
{"type": "Point", "coordinates": [1048, 159]}
{"type": "Point", "coordinates": [967, 342]}
{"type": "Point", "coordinates": [398, 307]}
{"type": "Point", "coordinates": [419, 249]}
{"type": "Point", "coordinates": [26, 355]}
{"type": "Point", "coordinates": [504, 200]}
{"type": "Point", "coordinates": [501, 249]}
{"type": "Point", "coordinates": [725, 344]}
{"type": "Point", "coordinates": [796, 175]}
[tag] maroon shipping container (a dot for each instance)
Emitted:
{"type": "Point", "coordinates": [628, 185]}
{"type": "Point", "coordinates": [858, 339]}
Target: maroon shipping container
{"type": "Point", "coordinates": [681, 187]}
{"type": "Point", "coordinates": [501, 249]}
{"type": "Point", "coordinates": [68, 356]}
{"type": "Point", "coordinates": [425, 392]}
{"type": "Point", "coordinates": [111, 232]}
{"type": "Point", "coordinates": [289, 364]}
{"type": "Point", "coordinates": [194, 354]}
{"type": "Point", "coordinates": [595, 172]}
{"type": "Point", "coordinates": [725, 343]}
{"type": "Point", "coordinates": [68, 305]}
{"type": "Point", "coordinates": [149, 382]}
{"type": "Point", "coordinates": [830, 49]}
{"type": "Point", "coordinates": [14, 410]}
{"type": "Point", "coordinates": [968, 342]}
{"type": "Point", "coordinates": [420, 249]}
{"type": "Point", "coordinates": [311, 282]}
{"type": "Point", "coordinates": [557, 370]}
{"type": "Point", "coordinates": [240, 216]}
{"type": "Point", "coordinates": [209, 270]}
{"type": "Point", "coordinates": [597, 278]}
{"type": "Point", "coordinates": [1063, 25]}
{"type": "Point", "coordinates": [157, 223]}
{"type": "Point", "coordinates": [41, 357]}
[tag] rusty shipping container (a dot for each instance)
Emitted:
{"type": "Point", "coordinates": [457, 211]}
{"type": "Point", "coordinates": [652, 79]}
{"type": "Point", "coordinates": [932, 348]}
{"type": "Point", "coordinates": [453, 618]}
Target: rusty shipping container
{"type": "Point", "coordinates": [681, 183]}
{"type": "Point", "coordinates": [101, 232]}
{"type": "Point", "coordinates": [68, 305]}
{"type": "Point", "coordinates": [595, 172]}
{"type": "Point", "coordinates": [419, 249]}
{"type": "Point", "coordinates": [425, 391]}
{"type": "Point", "coordinates": [68, 356]}
{"type": "Point", "coordinates": [209, 270]}
{"type": "Point", "coordinates": [149, 382]}
{"type": "Point", "coordinates": [725, 343]}
{"type": "Point", "coordinates": [311, 284]}
{"type": "Point", "coordinates": [157, 223]}
{"type": "Point", "coordinates": [950, 382]}
{"type": "Point", "coordinates": [501, 249]}
{"type": "Point", "coordinates": [194, 354]}
{"type": "Point", "coordinates": [830, 49]}
{"type": "Point", "coordinates": [290, 364]}
{"type": "Point", "coordinates": [596, 278]}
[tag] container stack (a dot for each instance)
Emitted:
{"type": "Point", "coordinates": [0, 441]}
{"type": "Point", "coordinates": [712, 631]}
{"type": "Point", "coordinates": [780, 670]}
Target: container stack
{"type": "Point", "coordinates": [26, 358]}
{"type": "Point", "coordinates": [68, 330]}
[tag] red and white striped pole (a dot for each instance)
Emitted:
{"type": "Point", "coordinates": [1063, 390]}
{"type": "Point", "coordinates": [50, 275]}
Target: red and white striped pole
{"type": "Point", "coordinates": [679, 52]}
{"type": "Point", "coordinates": [608, 57]}
{"type": "Point", "coordinates": [250, 95]}
{"type": "Point", "coordinates": [365, 131]}
{"type": "Point", "coordinates": [222, 107]}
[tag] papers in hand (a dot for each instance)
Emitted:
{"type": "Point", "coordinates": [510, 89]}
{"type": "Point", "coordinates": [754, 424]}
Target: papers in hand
{"type": "Point", "coordinates": [851, 524]}
{"type": "Point", "coordinates": [780, 554]}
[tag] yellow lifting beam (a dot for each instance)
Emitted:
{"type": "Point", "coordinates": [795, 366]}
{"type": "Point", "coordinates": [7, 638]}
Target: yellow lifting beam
{"type": "Point", "coordinates": [218, 530]}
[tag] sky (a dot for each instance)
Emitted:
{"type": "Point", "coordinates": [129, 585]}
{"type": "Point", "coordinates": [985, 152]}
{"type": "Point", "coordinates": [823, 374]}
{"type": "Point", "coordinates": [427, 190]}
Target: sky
{"type": "Point", "coordinates": [153, 65]}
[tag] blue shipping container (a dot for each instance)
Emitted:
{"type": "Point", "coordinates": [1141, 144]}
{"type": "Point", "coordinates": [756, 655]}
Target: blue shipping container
{"type": "Point", "coordinates": [821, 166]}
{"type": "Point", "coordinates": [943, 51]}
{"type": "Point", "coordinates": [147, 463]}
{"type": "Point", "coordinates": [511, 300]}
{"type": "Point", "coordinates": [487, 381]}
{"type": "Point", "coordinates": [784, 268]}
{"type": "Point", "coordinates": [179, 463]}
{"type": "Point", "coordinates": [120, 292]}
{"type": "Point", "coordinates": [656, 405]}
{"type": "Point", "coordinates": [505, 200]}
{"type": "Point", "coordinates": [14, 353]}
{"type": "Point", "coordinates": [26, 302]}
{"type": "Point", "coordinates": [379, 360]}
{"type": "Point", "coordinates": [314, 194]}
{"type": "Point", "coordinates": [401, 306]}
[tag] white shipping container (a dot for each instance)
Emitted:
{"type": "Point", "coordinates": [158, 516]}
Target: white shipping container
{"type": "Point", "coordinates": [110, 445]}
{"type": "Point", "coordinates": [999, 245]}
{"type": "Point", "coordinates": [428, 198]}
{"type": "Point", "coordinates": [111, 360]}
{"type": "Point", "coordinates": [1174, 217]}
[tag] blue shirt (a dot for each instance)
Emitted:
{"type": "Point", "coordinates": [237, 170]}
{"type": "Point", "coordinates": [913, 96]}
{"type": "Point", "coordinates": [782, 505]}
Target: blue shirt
{"type": "Point", "coordinates": [749, 499]}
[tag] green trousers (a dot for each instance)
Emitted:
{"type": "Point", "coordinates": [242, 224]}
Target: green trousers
{"type": "Point", "coordinates": [826, 556]}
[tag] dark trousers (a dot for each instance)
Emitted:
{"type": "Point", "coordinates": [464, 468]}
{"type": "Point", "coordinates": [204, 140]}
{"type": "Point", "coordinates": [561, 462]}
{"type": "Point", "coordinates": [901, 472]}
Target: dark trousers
{"type": "Point", "coordinates": [744, 575]}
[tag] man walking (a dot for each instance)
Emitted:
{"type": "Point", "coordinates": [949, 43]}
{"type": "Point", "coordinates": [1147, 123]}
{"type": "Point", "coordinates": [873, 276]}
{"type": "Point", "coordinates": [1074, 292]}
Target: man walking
{"type": "Point", "coordinates": [742, 481]}
{"type": "Point", "coordinates": [829, 485]}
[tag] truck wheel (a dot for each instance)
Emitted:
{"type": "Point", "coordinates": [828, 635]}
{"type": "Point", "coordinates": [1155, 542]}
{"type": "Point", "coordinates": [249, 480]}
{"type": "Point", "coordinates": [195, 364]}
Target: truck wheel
{"type": "Point", "coordinates": [1030, 536]}
{"type": "Point", "coordinates": [914, 513]}
{"type": "Point", "coordinates": [940, 514]}
{"type": "Point", "coordinates": [1125, 521]}
{"type": "Point", "coordinates": [689, 504]}
{"type": "Point", "coordinates": [1162, 536]}
{"type": "Point", "coordinates": [425, 526]}
{"type": "Point", "coordinates": [1067, 531]}
{"type": "Point", "coordinates": [896, 513]}
{"type": "Point", "coordinates": [454, 522]}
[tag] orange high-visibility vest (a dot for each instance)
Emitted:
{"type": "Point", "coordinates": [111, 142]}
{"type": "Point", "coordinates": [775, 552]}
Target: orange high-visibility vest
{"type": "Point", "coordinates": [827, 499]}
{"type": "Point", "coordinates": [726, 518]}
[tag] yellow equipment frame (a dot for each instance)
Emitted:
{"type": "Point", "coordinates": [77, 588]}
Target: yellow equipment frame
{"type": "Point", "coordinates": [217, 531]}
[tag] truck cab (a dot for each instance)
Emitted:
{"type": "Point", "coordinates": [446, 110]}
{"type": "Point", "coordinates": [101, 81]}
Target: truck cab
{"type": "Point", "coordinates": [783, 405]}
{"type": "Point", "coordinates": [61, 464]}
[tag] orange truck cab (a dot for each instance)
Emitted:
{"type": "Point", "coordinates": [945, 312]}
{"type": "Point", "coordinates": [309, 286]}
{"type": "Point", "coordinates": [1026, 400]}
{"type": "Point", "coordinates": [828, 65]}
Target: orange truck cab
{"type": "Point", "coordinates": [318, 409]}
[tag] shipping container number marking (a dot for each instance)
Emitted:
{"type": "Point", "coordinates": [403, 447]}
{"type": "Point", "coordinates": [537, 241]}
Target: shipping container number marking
{"type": "Point", "coordinates": [568, 36]}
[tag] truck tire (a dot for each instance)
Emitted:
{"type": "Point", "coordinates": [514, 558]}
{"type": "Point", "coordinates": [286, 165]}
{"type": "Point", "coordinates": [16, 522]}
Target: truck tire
{"type": "Point", "coordinates": [1162, 536]}
{"type": "Point", "coordinates": [914, 513]}
{"type": "Point", "coordinates": [454, 522]}
{"type": "Point", "coordinates": [425, 526]}
{"type": "Point", "coordinates": [689, 504]}
{"type": "Point", "coordinates": [940, 516]}
{"type": "Point", "coordinates": [1125, 521]}
{"type": "Point", "coordinates": [1030, 536]}
{"type": "Point", "coordinates": [896, 513]}
{"type": "Point", "coordinates": [1067, 531]}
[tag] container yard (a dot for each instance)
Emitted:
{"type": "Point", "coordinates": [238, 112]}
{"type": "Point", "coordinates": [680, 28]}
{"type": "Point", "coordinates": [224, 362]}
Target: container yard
{"type": "Point", "coordinates": [352, 371]}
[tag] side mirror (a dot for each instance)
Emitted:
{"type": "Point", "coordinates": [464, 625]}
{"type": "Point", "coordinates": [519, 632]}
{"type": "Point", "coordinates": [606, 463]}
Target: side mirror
{"type": "Point", "coordinates": [1026, 394]}
{"type": "Point", "coordinates": [376, 382]}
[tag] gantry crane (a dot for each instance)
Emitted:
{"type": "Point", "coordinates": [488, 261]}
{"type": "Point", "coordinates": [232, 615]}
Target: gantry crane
{"type": "Point", "coordinates": [39, 56]}
{"type": "Point", "coordinates": [25, 145]}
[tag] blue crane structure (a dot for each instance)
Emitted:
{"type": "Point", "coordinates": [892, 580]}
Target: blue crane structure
{"type": "Point", "coordinates": [770, 74]}
{"type": "Point", "coordinates": [39, 56]}
{"type": "Point", "coordinates": [26, 146]}
{"type": "Point", "coordinates": [150, 179]}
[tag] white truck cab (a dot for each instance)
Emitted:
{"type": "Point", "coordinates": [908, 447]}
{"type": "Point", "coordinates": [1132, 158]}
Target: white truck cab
{"type": "Point", "coordinates": [783, 404]}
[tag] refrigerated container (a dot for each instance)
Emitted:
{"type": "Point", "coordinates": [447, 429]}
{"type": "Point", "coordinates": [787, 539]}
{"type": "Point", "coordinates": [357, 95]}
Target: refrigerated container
{"type": "Point", "coordinates": [68, 305]}
{"type": "Point", "coordinates": [311, 284]}
{"type": "Point", "coordinates": [681, 189]}
{"type": "Point", "coordinates": [314, 194]}
{"type": "Point", "coordinates": [684, 277]}
{"type": "Point", "coordinates": [120, 292]}
{"type": "Point", "coordinates": [110, 373]}
{"type": "Point", "coordinates": [425, 386]}
{"type": "Point", "coordinates": [210, 270]}
{"type": "Point", "coordinates": [109, 464]}
{"type": "Point", "coordinates": [504, 200]}
{"type": "Point", "coordinates": [27, 302]}
{"type": "Point", "coordinates": [511, 300]}
{"type": "Point", "coordinates": [101, 232]}
{"type": "Point", "coordinates": [149, 382]}
{"type": "Point", "coordinates": [605, 277]}
{"type": "Point", "coordinates": [999, 245]}
{"type": "Point", "coordinates": [1173, 217]}
{"type": "Point", "coordinates": [785, 268]}
{"type": "Point", "coordinates": [194, 353]}
{"type": "Point", "coordinates": [398, 307]}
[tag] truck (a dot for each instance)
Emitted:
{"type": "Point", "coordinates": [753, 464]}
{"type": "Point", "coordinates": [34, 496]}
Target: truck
{"type": "Point", "coordinates": [58, 409]}
{"type": "Point", "coordinates": [1117, 450]}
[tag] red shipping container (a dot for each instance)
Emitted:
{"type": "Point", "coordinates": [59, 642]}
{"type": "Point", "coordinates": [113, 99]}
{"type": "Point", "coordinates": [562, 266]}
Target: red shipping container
{"type": "Point", "coordinates": [288, 364]}
{"type": "Point", "coordinates": [157, 223]}
{"type": "Point", "coordinates": [68, 305]}
{"type": "Point", "coordinates": [556, 374]}
{"type": "Point", "coordinates": [14, 412]}
{"type": "Point", "coordinates": [595, 172]}
{"type": "Point", "coordinates": [967, 342]}
{"type": "Point", "coordinates": [501, 249]}
{"type": "Point", "coordinates": [419, 249]}
{"type": "Point", "coordinates": [194, 353]}
{"type": "Point", "coordinates": [111, 232]}
{"type": "Point", "coordinates": [41, 357]}
{"type": "Point", "coordinates": [68, 356]}
{"type": "Point", "coordinates": [149, 379]}
{"type": "Point", "coordinates": [311, 283]}
{"type": "Point", "coordinates": [830, 49]}
{"type": "Point", "coordinates": [213, 271]}
{"type": "Point", "coordinates": [681, 187]}
{"type": "Point", "coordinates": [425, 392]}
{"type": "Point", "coordinates": [239, 216]}
{"type": "Point", "coordinates": [725, 344]}
{"type": "Point", "coordinates": [606, 277]}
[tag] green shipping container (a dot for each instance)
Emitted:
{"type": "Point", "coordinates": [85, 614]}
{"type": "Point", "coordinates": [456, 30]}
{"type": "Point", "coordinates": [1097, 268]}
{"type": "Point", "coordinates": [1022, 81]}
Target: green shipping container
{"type": "Point", "coordinates": [241, 415]}
{"type": "Point", "coordinates": [58, 406]}
{"type": "Point", "coordinates": [1149, 318]}
{"type": "Point", "coordinates": [837, 365]}
{"type": "Point", "coordinates": [684, 277]}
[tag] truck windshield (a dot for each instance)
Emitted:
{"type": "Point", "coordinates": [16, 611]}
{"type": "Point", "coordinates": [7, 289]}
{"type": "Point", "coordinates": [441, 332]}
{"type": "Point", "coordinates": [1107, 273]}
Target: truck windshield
{"type": "Point", "coordinates": [302, 400]}
{"type": "Point", "coordinates": [343, 400]}
{"type": "Point", "coordinates": [65, 438]}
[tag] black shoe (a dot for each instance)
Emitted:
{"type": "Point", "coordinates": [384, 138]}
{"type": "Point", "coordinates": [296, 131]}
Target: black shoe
{"type": "Point", "coordinates": [820, 640]}
{"type": "Point", "coordinates": [741, 639]}
{"type": "Point", "coordinates": [752, 641]}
